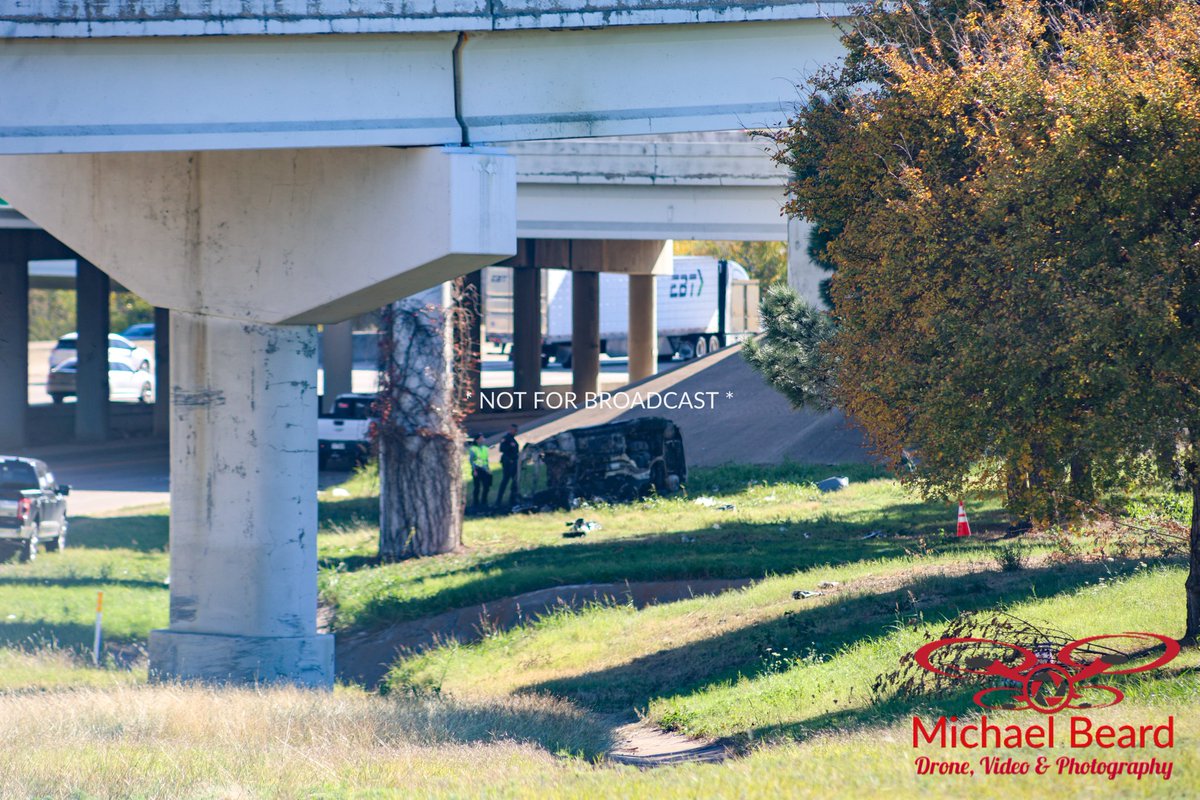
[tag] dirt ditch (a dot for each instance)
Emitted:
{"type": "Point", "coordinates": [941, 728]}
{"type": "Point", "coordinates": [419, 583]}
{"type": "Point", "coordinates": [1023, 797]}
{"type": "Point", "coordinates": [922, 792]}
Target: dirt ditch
{"type": "Point", "coordinates": [364, 656]}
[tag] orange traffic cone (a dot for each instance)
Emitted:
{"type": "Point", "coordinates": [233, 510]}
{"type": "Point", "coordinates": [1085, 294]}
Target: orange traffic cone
{"type": "Point", "coordinates": [964, 527]}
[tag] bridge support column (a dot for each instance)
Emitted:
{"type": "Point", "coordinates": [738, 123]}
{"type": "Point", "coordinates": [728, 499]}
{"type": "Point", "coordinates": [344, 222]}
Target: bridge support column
{"type": "Point", "coordinates": [804, 276]}
{"type": "Point", "coordinates": [643, 327]}
{"type": "Point", "coordinates": [239, 245]}
{"type": "Point", "coordinates": [14, 339]}
{"type": "Point", "coordinates": [527, 331]}
{"type": "Point", "coordinates": [243, 523]}
{"type": "Point", "coordinates": [162, 372]}
{"type": "Point", "coordinates": [585, 334]}
{"type": "Point", "coordinates": [91, 371]}
{"type": "Point", "coordinates": [337, 360]}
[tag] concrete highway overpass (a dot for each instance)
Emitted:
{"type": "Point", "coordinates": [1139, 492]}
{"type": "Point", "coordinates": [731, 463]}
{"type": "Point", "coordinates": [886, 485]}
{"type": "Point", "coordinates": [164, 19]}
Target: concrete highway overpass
{"type": "Point", "coordinates": [264, 167]}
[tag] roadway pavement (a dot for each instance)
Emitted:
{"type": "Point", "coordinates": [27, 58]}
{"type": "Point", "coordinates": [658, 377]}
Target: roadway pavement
{"type": "Point", "coordinates": [109, 476]}
{"type": "Point", "coordinates": [133, 472]}
{"type": "Point", "coordinates": [496, 372]}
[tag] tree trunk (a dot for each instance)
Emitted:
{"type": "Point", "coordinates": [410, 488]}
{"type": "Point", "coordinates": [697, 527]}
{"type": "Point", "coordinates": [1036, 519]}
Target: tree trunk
{"type": "Point", "coordinates": [1192, 585]}
{"type": "Point", "coordinates": [1082, 486]}
{"type": "Point", "coordinates": [420, 440]}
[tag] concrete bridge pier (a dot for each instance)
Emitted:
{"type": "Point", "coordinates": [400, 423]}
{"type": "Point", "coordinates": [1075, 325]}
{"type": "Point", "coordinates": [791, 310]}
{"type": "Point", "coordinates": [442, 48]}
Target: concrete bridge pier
{"type": "Point", "coordinates": [162, 372]}
{"type": "Point", "coordinates": [643, 327]}
{"type": "Point", "coordinates": [337, 360]}
{"type": "Point", "coordinates": [14, 339]}
{"type": "Point", "coordinates": [243, 521]}
{"type": "Point", "coordinates": [238, 244]}
{"type": "Point", "coordinates": [803, 275]}
{"type": "Point", "coordinates": [527, 332]}
{"type": "Point", "coordinates": [585, 334]}
{"type": "Point", "coordinates": [92, 288]}
{"type": "Point", "coordinates": [641, 259]}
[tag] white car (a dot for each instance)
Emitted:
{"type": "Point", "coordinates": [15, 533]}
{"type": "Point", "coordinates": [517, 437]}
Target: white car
{"type": "Point", "coordinates": [124, 382]}
{"type": "Point", "coordinates": [120, 349]}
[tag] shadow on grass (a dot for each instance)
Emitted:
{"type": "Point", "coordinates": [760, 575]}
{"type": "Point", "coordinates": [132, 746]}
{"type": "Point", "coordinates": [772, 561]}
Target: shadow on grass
{"type": "Point", "coordinates": [146, 533]}
{"type": "Point", "coordinates": [150, 533]}
{"type": "Point", "coordinates": [827, 628]}
{"type": "Point", "coordinates": [734, 477]}
{"type": "Point", "coordinates": [349, 513]}
{"type": "Point", "coordinates": [543, 722]}
{"type": "Point", "coordinates": [735, 550]}
{"type": "Point", "coordinates": [62, 582]}
{"type": "Point", "coordinates": [37, 634]}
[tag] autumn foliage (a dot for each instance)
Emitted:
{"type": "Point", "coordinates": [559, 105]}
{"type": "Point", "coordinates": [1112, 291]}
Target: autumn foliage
{"type": "Point", "coordinates": [1013, 193]}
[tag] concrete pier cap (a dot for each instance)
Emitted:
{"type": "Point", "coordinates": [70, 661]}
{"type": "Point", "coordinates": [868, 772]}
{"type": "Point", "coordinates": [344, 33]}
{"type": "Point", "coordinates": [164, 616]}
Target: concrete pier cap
{"type": "Point", "coordinates": [250, 250]}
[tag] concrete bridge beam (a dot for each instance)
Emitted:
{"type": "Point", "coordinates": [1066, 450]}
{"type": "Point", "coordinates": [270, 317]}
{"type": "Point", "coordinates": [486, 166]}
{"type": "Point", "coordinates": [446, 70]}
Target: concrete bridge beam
{"type": "Point", "coordinates": [274, 236]}
{"type": "Point", "coordinates": [115, 88]}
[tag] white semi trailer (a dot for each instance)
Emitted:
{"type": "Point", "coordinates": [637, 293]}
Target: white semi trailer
{"type": "Point", "coordinates": [690, 322]}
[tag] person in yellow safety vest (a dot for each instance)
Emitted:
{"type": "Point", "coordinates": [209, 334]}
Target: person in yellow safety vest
{"type": "Point", "coordinates": [481, 472]}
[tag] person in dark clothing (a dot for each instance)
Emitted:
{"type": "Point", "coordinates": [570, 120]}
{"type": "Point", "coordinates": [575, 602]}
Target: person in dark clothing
{"type": "Point", "coordinates": [481, 473]}
{"type": "Point", "coordinates": [509, 450]}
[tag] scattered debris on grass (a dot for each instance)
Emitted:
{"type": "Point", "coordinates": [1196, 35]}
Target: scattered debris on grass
{"type": "Point", "coordinates": [580, 527]}
{"type": "Point", "coordinates": [706, 501]}
{"type": "Point", "coordinates": [804, 594]}
{"type": "Point", "coordinates": [875, 535]}
{"type": "Point", "coordinates": [834, 484]}
{"type": "Point", "coordinates": [727, 507]}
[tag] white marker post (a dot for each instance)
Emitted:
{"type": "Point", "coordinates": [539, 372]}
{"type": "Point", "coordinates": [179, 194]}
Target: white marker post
{"type": "Point", "coordinates": [99, 615]}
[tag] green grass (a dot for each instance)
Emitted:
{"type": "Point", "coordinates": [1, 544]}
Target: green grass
{"type": "Point", "coordinates": [756, 663]}
{"type": "Point", "coordinates": [51, 602]}
{"type": "Point", "coordinates": [656, 539]}
{"type": "Point", "coordinates": [53, 599]}
{"type": "Point", "coordinates": [530, 712]}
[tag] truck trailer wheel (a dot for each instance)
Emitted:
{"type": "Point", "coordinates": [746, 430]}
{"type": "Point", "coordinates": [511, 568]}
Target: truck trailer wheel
{"type": "Point", "coordinates": [701, 347]}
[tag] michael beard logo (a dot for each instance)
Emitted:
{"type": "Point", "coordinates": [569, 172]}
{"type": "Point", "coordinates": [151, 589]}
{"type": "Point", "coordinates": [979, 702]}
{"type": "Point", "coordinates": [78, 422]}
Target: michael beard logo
{"type": "Point", "coordinates": [1049, 679]}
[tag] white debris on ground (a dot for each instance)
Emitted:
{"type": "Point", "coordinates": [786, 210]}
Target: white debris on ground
{"type": "Point", "coordinates": [834, 484]}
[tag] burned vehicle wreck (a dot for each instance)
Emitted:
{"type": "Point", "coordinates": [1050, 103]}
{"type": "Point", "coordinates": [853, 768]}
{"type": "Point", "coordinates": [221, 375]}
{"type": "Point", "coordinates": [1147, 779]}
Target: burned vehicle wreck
{"type": "Point", "coordinates": [616, 462]}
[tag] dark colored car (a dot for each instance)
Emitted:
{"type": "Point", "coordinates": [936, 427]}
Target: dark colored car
{"type": "Point", "coordinates": [141, 330]}
{"type": "Point", "coordinates": [33, 508]}
{"type": "Point", "coordinates": [616, 462]}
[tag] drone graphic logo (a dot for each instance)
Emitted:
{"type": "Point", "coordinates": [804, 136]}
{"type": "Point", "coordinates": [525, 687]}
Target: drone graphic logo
{"type": "Point", "coordinates": [1038, 678]}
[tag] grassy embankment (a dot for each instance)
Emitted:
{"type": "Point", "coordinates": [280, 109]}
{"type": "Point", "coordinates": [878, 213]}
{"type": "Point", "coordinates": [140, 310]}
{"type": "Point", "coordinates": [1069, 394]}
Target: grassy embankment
{"type": "Point", "coordinates": [788, 679]}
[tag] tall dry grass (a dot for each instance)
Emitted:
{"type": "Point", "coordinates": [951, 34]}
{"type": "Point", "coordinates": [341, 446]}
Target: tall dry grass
{"type": "Point", "coordinates": [172, 741]}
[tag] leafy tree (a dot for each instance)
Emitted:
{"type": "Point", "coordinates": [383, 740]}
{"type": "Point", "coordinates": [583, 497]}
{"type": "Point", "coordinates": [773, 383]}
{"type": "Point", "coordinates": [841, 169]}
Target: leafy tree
{"type": "Point", "coordinates": [52, 312]}
{"type": "Point", "coordinates": [764, 261]}
{"type": "Point", "coordinates": [1015, 203]}
{"type": "Point", "coordinates": [789, 353]}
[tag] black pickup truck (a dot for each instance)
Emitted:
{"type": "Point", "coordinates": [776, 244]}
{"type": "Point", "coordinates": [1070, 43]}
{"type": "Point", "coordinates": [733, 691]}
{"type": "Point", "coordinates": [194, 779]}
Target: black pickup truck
{"type": "Point", "coordinates": [32, 507]}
